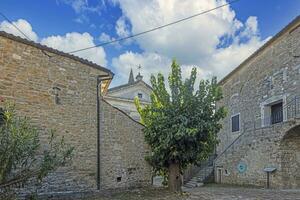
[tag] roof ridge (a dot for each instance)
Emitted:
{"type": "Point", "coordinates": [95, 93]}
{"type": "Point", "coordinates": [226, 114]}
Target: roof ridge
{"type": "Point", "coordinates": [54, 51]}
{"type": "Point", "coordinates": [127, 85]}
{"type": "Point", "coordinates": [276, 36]}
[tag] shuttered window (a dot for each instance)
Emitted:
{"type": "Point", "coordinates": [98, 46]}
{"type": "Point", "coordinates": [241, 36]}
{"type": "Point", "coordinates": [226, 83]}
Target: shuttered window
{"type": "Point", "coordinates": [235, 123]}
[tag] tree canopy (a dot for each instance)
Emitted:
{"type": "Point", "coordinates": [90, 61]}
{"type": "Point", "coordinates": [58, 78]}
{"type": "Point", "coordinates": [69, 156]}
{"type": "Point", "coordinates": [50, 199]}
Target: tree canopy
{"type": "Point", "coordinates": [181, 123]}
{"type": "Point", "coordinates": [21, 154]}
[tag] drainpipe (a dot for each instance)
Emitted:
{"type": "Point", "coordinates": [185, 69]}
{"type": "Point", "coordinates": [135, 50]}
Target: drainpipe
{"type": "Point", "coordinates": [100, 78]}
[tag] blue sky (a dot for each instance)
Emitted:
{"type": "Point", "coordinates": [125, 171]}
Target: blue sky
{"type": "Point", "coordinates": [215, 43]}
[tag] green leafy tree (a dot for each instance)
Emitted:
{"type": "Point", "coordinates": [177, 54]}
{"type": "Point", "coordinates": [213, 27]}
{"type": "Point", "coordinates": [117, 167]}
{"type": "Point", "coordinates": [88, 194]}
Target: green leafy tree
{"type": "Point", "coordinates": [180, 125]}
{"type": "Point", "coordinates": [21, 154]}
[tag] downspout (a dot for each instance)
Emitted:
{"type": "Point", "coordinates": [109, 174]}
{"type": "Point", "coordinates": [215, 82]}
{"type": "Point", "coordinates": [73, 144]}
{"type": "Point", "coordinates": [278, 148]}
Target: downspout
{"type": "Point", "coordinates": [100, 78]}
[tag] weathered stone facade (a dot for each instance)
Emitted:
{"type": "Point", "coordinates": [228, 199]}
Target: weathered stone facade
{"type": "Point", "coordinates": [123, 150]}
{"type": "Point", "coordinates": [122, 96]}
{"type": "Point", "coordinates": [268, 77]}
{"type": "Point", "coordinates": [29, 72]}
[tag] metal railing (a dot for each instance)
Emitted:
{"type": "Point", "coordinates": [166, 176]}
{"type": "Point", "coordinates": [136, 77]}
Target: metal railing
{"type": "Point", "coordinates": [293, 108]}
{"type": "Point", "coordinates": [290, 110]}
{"type": "Point", "coordinates": [195, 169]}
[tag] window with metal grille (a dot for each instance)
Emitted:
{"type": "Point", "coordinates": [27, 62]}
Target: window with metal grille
{"type": "Point", "coordinates": [276, 113]}
{"type": "Point", "coordinates": [235, 123]}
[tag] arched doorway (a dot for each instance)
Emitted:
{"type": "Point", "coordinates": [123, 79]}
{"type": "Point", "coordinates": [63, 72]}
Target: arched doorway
{"type": "Point", "coordinates": [290, 158]}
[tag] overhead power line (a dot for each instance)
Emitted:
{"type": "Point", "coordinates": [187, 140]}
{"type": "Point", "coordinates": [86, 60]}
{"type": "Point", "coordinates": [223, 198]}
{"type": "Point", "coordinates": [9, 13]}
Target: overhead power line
{"type": "Point", "coordinates": [154, 29]}
{"type": "Point", "coordinates": [133, 35]}
{"type": "Point", "coordinates": [16, 27]}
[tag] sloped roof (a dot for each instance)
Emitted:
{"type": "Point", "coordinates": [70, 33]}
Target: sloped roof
{"type": "Point", "coordinates": [55, 51]}
{"type": "Point", "coordinates": [121, 111]}
{"type": "Point", "coordinates": [128, 85]}
{"type": "Point", "coordinates": [257, 52]}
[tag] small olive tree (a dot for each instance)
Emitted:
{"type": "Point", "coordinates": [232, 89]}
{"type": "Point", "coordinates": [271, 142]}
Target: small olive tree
{"type": "Point", "coordinates": [181, 125]}
{"type": "Point", "coordinates": [21, 155]}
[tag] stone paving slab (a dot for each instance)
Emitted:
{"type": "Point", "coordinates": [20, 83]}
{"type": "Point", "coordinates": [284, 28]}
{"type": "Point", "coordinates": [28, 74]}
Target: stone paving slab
{"type": "Point", "coordinates": [239, 193]}
{"type": "Point", "coordinates": [211, 192]}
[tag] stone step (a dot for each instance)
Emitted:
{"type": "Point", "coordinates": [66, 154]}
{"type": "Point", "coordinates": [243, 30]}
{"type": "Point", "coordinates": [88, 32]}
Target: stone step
{"type": "Point", "coordinates": [193, 185]}
{"type": "Point", "coordinates": [198, 179]}
{"type": "Point", "coordinates": [193, 182]}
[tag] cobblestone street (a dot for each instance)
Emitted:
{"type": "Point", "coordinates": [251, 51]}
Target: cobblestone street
{"type": "Point", "coordinates": [237, 193]}
{"type": "Point", "coordinates": [211, 192]}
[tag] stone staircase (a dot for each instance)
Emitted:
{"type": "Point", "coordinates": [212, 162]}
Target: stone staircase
{"type": "Point", "coordinates": [199, 179]}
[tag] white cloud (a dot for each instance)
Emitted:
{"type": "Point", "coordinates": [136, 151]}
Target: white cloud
{"type": "Point", "coordinates": [74, 41]}
{"type": "Point", "coordinates": [93, 26]}
{"type": "Point", "coordinates": [226, 59]}
{"type": "Point", "coordinates": [179, 40]}
{"type": "Point", "coordinates": [152, 63]}
{"type": "Point", "coordinates": [105, 37]}
{"type": "Point", "coordinates": [81, 6]}
{"type": "Point", "coordinates": [122, 28]}
{"type": "Point", "coordinates": [66, 43]}
{"type": "Point", "coordinates": [23, 25]}
{"type": "Point", "coordinates": [216, 42]}
{"type": "Point", "coordinates": [82, 19]}
{"type": "Point", "coordinates": [251, 27]}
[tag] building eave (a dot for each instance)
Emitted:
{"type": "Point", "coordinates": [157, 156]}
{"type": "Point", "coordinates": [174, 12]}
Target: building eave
{"type": "Point", "coordinates": [55, 51]}
{"type": "Point", "coordinates": [107, 97]}
{"type": "Point", "coordinates": [291, 26]}
{"type": "Point", "coordinates": [122, 87]}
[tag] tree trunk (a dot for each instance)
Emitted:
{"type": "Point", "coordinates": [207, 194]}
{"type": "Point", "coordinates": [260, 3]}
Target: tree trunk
{"type": "Point", "coordinates": [174, 181]}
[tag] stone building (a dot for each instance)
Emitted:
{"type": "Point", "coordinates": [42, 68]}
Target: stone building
{"type": "Point", "coordinates": [123, 96]}
{"type": "Point", "coordinates": [262, 129]}
{"type": "Point", "coordinates": [59, 91]}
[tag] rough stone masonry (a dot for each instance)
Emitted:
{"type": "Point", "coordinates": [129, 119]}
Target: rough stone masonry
{"type": "Point", "coordinates": [261, 131]}
{"type": "Point", "coordinates": [30, 75]}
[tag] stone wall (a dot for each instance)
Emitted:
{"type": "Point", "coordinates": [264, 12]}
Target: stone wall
{"type": "Point", "coordinates": [123, 150]}
{"type": "Point", "coordinates": [27, 77]}
{"type": "Point", "coordinates": [258, 149]}
{"type": "Point", "coordinates": [290, 158]}
{"type": "Point", "coordinates": [272, 75]}
{"type": "Point", "coordinates": [126, 105]}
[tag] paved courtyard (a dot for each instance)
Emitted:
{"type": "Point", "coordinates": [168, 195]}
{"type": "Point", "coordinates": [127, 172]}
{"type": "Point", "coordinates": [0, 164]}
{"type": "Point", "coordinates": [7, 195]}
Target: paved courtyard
{"type": "Point", "coordinates": [237, 193]}
{"type": "Point", "coordinates": [211, 192]}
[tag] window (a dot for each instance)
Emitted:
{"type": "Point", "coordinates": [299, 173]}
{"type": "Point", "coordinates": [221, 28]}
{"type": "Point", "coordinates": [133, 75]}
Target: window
{"type": "Point", "coordinates": [1, 116]}
{"type": "Point", "coordinates": [276, 113]}
{"type": "Point", "coordinates": [140, 95]}
{"type": "Point", "coordinates": [272, 110]}
{"type": "Point", "coordinates": [235, 123]}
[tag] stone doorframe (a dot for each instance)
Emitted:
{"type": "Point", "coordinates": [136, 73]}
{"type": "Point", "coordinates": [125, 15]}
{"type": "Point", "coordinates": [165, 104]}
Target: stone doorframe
{"type": "Point", "coordinates": [265, 108]}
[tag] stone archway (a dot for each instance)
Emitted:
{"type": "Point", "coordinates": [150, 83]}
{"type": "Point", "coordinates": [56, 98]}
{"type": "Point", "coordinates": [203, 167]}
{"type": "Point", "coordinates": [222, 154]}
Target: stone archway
{"type": "Point", "coordinates": [290, 158]}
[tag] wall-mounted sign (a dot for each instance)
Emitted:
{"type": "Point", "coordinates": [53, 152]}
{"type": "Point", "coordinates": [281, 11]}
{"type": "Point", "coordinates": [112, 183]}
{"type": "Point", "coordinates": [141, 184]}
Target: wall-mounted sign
{"type": "Point", "coordinates": [242, 167]}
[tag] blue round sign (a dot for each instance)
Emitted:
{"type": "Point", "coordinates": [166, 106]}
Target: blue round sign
{"type": "Point", "coordinates": [242, 167]}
